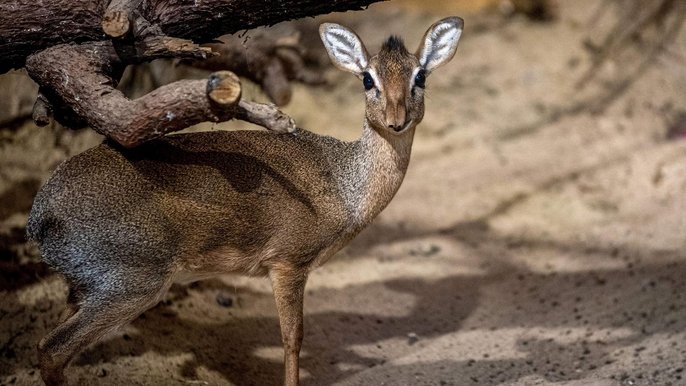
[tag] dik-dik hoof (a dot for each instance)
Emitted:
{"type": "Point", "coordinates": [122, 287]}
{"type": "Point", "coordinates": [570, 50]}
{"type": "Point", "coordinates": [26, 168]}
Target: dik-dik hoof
{"type": "Point", "coordinates": [51, 372]}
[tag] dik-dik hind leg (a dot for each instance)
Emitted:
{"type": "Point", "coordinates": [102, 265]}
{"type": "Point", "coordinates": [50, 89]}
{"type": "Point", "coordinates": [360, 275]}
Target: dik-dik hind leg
{"type": "Point", "coordinates": [94, 318]}
{"type": "Point", "coordinates": [288, 285]}
{"type": "Point", "coordinates": [72, 305]}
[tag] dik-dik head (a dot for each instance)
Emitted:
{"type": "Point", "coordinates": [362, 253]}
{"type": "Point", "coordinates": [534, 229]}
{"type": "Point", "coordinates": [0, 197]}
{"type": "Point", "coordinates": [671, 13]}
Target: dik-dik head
{"type": "Point", "coordinates": [394, 79]}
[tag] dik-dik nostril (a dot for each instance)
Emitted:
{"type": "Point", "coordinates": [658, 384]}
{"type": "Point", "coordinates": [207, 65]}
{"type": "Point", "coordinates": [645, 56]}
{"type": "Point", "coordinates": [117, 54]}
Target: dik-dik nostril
{"type": "Point", "coordinates": [396, 127]}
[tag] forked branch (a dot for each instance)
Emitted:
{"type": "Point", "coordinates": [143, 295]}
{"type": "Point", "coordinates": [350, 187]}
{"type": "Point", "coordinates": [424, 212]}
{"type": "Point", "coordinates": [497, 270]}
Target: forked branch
{"type": "Point", "coordinates": [77, 77]}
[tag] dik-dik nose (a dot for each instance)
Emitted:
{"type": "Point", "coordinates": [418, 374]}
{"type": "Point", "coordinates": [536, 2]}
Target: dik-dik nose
{"type": "Point", "coordinates": [396, 115]}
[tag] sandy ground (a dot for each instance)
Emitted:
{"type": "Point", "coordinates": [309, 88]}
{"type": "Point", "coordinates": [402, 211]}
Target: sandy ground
{"type": "Point", "coordinates": [538, 238]}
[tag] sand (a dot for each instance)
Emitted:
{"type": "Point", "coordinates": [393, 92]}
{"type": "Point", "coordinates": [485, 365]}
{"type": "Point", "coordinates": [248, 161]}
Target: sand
{"type": "Point", "coordinates": [538, 238]}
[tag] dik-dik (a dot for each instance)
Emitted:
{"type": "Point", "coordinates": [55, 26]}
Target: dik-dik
{"type": "Point", "coordinates": [122, 225]}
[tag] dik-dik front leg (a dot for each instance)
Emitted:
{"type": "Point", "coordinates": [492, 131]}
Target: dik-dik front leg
{"type": "Point", "coordinates": [288, 284]}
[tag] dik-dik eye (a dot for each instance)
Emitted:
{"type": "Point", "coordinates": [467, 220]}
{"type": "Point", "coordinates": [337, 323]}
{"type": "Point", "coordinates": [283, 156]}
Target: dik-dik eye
{"type": "Point", "coordinates": [367, 81]}
{"type": "Point", "coordinates": [420, 79]}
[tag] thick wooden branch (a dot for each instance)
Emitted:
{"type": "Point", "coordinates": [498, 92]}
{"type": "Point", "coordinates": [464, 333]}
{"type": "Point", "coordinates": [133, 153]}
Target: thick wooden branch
{"type": "Point", "coordinates": [151, 43]}
{"type": "Point", "coordinates": [204, 20]}
{"type": "Point", "coordinates": [77, 77]}
{"type": "Point", "coordinates": [29, 26]}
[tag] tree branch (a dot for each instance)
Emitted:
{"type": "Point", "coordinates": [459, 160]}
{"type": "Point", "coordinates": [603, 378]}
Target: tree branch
{"type": "Point", "coordinates": [29, 26]}
{"type": "Point", "coordinates": [77, 66]}
{"type": "Point", "coordinates": [265, 115]}
{"type": "Point", "coordinates": [77, 77]}
{"type": "Point", "coordinates": [204, 20]}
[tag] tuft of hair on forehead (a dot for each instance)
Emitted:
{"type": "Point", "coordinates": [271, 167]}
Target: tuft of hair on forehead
{"type": "Point", "coordinates": [394, 44]}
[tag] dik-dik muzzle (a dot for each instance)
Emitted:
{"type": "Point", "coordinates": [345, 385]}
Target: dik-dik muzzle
{"type": "Point", "coordinates": [398, 104]}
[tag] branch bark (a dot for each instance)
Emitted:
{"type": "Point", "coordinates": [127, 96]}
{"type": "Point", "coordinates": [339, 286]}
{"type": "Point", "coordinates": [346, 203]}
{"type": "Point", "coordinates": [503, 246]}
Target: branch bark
{"type": "Point", "coordinates": [29, 26]}
{"type": "Point", "coordinates": [82, 84]}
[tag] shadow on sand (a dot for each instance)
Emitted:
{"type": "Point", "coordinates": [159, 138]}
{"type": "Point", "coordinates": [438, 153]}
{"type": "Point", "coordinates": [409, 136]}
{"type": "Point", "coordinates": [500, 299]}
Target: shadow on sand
{"type": "Point", "coordinates": [645, 299]}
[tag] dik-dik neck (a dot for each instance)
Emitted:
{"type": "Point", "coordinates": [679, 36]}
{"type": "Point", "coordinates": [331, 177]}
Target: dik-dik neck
{"type": "Point", "coordinates": [379, 166]}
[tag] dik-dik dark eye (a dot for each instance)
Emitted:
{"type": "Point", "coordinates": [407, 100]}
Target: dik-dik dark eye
{"type": "Point", "coordinates": [367, 81]}
{"type": "Point", "coordinates": [420, 79]}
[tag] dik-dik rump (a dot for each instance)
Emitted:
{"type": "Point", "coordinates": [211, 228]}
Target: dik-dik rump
{"type": "Point", "coordinates": [122, 225]}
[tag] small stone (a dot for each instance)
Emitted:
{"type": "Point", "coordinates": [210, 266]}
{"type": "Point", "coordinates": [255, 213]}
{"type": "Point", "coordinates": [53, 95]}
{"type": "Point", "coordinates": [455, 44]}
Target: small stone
{"type": "Point", "coordinates": [224, 300]}
{"type": "Point", "coordinates": [412, 338]}
{"type": "Point", "coordinates": [425, 250]}
{"type": "Point", "coordinates": [102, 373]}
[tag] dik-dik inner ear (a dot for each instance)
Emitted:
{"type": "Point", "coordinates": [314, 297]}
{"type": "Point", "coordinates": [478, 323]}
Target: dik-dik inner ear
{"type": "Point", "coordinates": [440, 43]}
{"type": "Point", "coordinates": [345, 48]}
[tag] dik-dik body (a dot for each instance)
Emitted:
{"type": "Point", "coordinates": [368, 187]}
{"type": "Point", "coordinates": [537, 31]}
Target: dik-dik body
{"type": "Point", "coordinates": [123, 225]}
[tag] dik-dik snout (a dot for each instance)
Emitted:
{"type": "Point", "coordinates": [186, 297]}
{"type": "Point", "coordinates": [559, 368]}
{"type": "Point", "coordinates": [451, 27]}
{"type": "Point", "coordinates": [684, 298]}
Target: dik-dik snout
{"type": "Point", "coordinates": [394, 79]}
{"type": "Point", "coordinates": [400, 100]}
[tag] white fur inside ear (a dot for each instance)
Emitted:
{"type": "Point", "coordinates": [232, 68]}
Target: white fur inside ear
{"type": "Point", "coordinates": [344, 47]}
{"type": "Point", "coordinates": [440, 44]}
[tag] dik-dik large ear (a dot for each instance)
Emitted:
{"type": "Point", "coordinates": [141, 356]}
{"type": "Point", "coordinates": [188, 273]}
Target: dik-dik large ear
{"type": "Point", "coordinates": [344, 47]}
{"type": "Point", "coordinates": [440, 43]}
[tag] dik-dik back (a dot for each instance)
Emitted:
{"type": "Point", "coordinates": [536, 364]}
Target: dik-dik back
{"type": "Point", "coordinates": [214, 202]}
{"type": "Point", "coordinates": [122, 225]}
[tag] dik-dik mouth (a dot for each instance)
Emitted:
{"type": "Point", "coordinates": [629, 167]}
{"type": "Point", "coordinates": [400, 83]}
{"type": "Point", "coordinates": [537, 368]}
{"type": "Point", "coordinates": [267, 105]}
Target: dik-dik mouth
{"type": "Point", "coordinates": [402, 128]}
